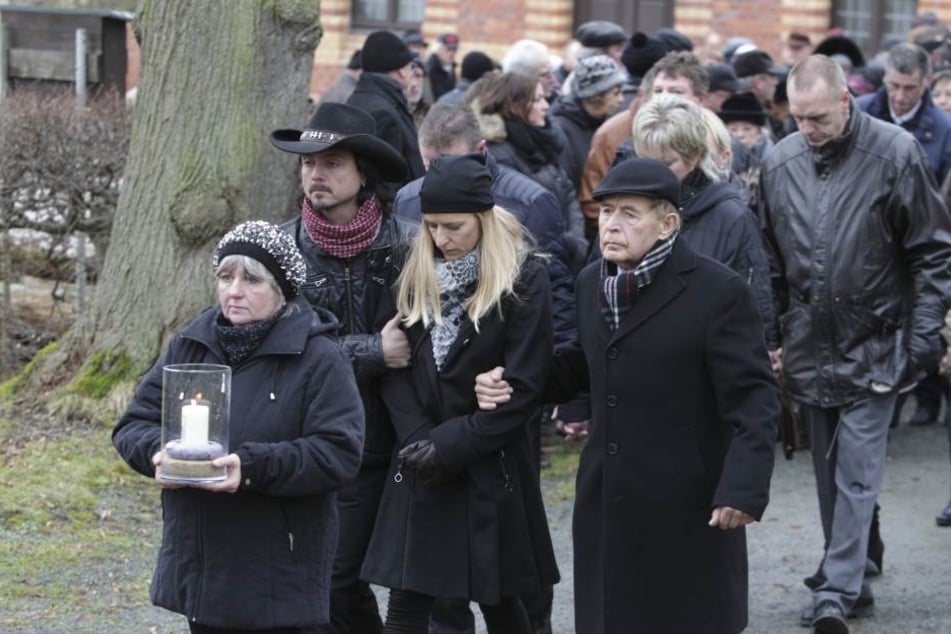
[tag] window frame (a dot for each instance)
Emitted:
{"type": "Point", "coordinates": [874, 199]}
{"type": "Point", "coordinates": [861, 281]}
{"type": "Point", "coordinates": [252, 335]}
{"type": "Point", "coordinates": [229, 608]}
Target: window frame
{"type": "Point", "coordinates": [882, 22]}
{"type": "Point", "coordinates": [389, 23]}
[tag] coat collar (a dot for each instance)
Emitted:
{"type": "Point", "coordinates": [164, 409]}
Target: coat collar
{"type": "Point", "coordinates": [668, 284]}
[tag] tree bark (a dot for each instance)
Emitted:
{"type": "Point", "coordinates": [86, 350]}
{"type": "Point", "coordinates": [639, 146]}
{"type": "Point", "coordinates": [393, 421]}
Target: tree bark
{"type": "Point", "coordinates": [216, 78]}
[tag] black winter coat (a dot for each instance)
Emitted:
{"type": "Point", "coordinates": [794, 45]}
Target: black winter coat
{"type": "Point", "coordinates": [578, 128]}
{"type": "Point", "coordinates": [684, 419]}
{"type": "Point", "coordinates": [550, 175]}
{"type": "Point", "coordinates": [860, 246]}
{"type": "Point", "coordinates": [482, 534]}
{"type": "Point", "coordinates": [261, 557]}
{"type": "Point", "coordinates": [358, 293]}
{"type": "Point", "coordinates": [718, 224]}
{"type": "Point", "coordinates": [381, 96]}
{"type": "Point", "coordinates": [440, 81]}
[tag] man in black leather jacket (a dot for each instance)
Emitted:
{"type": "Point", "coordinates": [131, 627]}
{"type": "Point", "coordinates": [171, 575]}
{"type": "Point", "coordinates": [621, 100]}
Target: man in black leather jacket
{"type": "Point", "coordinates": [861, 246]}
{"type": "Point", "coordinates": [352, 246]}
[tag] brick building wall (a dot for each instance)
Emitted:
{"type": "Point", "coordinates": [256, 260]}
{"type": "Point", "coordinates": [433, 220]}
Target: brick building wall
{"type": "Point", "coordinates": [492, 25]}
{"type": "Point", "coordinates": [489, 26]}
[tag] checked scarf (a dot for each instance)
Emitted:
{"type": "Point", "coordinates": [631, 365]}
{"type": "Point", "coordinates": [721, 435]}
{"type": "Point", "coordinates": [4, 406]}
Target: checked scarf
{"type": "Point", "coordinates": [619, 288]}
{"type": "Point", "coordinates": [347, 240]}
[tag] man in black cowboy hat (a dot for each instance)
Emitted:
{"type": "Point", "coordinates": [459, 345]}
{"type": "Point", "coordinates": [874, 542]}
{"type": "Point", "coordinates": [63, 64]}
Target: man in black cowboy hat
{"type": "Point", "coordinates": [350, 243]}
{"type": "Point", "coordinates": [387, 73]}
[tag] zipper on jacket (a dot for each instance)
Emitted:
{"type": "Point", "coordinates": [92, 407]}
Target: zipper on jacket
{"type": "Point", "coordinates": [350, 308]}
{"type": "Point", "coordinates": [505, 473]}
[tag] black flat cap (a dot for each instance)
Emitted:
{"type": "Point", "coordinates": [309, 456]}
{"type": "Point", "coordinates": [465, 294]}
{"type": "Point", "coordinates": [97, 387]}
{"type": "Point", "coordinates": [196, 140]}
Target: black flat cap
{"type": "Point", "coordinates": [640, 177]}
{"type": "Point", "coordinates": [600, 34]}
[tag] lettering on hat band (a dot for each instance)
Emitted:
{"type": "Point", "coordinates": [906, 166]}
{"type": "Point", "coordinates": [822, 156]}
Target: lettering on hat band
{"type": "Point", "coordinates": [322, 136]}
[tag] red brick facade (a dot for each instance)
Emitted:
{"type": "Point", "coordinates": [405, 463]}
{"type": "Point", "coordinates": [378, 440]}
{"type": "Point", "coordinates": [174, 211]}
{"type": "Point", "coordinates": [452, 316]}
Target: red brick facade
{"type": "Point", "coordinates": [492, 25]}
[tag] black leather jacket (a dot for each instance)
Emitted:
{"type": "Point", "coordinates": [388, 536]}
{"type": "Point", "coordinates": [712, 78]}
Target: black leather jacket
{"type": "Point", "coordinates": [860, 241]}
{"type": "Point", "coordinates": [359, 293]}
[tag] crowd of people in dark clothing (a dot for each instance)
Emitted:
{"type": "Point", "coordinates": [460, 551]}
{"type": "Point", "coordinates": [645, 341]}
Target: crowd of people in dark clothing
{"type": "Point", "coordinates": [664, 249]}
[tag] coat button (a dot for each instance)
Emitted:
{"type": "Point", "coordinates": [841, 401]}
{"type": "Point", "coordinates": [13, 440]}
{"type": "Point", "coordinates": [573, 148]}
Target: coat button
{"type": "Point", "coordinates": [612, 448]}
{"type": "Point", "coordinates": [612, 353]}
{"type": "Point", "coordinates": [612, 400]}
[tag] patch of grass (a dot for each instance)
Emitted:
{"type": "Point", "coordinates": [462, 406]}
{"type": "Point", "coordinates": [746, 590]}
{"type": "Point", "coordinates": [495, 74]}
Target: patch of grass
{"type": "Point", "coordinates": [9, 387]}
{"type": "Point", "coordinates": [72, 516]}
{"type": "Point", "coordinates": [558, 480]}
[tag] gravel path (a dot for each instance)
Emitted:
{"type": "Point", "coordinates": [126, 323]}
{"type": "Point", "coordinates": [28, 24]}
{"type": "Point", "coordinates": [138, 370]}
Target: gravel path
{"type": "Point", "coordinates": [911, 597]}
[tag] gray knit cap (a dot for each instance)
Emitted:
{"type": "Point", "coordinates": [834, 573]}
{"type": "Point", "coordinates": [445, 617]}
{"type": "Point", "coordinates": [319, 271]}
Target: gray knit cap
{"type": "Point", "coordinates": [595, 75]}
{"type": "Point", "coordinates": [269, 245]}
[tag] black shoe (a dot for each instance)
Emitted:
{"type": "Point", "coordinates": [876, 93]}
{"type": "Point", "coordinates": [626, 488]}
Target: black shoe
{"type": "Point", "coordinates": [830, 619]}
{"type": "Point", "coordinates": [815, 580]}
{"type": "Point", "coordinates": [864, 607]}
{"type": "Point", "coordinates": [944, 517]}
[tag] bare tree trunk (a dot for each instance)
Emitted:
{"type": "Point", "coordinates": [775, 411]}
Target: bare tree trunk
{"type": "Point", "coordinates": [216, 79]}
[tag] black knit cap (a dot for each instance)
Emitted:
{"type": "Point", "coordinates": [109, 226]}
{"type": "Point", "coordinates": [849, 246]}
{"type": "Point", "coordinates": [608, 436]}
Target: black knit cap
{"type": "Point", "coordinates": [476, 64]}
{"type": "Point", "coordinates": [269, 245]}
{"type": "Point", "coordinates": [384, 51]}
{"type": "Point", "coordinates": [640, 177]}
{"type": "Point", "coordinates": [641, 53]}
{"type": "Point", "coordinates": [457, 184]}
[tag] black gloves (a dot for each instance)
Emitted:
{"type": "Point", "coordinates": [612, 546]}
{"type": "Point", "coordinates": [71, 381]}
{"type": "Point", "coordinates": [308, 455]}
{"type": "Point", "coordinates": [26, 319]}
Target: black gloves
{"type": "Point", "coordinates": [420, 456]}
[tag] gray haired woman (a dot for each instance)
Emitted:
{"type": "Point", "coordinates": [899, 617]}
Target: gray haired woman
{"type": "Point", "coordinates": [254, 552]}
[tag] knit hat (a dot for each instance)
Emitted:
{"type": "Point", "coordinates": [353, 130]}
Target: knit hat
{"type": "Point", "coordinates": [355, 60]}
{"type": "Point", "coordinates": [743, 107]}
{"type": "Point", "coordinates": [384, 51]}
{"type": "Point", "coordinates": [475, 65]}
{"type": "Point", "coordinates": [595, 75]}
{"type": "Point", "coordinates": [640, 177]}
{"type": "Point", "coordinates": [269, 245]}
{"type": "Point", "coordinates": [457, 184]}
{"type": "Point", "coordinates": [600, 34]}
{"type": "Point", "coordinates": [641, 53]}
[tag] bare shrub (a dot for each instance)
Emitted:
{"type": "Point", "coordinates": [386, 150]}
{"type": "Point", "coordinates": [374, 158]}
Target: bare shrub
{"type": "Point", "coordinates": [60, 173]}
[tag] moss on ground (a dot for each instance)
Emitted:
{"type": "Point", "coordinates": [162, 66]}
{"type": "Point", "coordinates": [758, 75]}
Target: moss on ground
{"type": "Point", "coordinates": [558, 480]}
{"type": "Point", "coordinates": [9, 388]}
{"type": "Point", "coordinates": [101, 373]}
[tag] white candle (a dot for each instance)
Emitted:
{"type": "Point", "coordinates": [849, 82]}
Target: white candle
{"type": "Point", "coordinates": [195, 424]}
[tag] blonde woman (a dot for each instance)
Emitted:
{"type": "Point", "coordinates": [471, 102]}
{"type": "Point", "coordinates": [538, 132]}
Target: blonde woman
{"type": "Point", "coordinates": [462, 514]}
{"type": "Point", "coordinates": [716, 221]}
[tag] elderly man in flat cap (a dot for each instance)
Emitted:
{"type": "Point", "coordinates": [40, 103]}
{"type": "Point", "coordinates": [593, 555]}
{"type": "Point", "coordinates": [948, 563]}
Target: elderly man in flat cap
{"type": "Point", "coordinates": [685, 407]}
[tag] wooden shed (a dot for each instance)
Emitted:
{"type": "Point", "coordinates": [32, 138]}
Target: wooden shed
{"type": "Point", "coordinates": [41, 45]}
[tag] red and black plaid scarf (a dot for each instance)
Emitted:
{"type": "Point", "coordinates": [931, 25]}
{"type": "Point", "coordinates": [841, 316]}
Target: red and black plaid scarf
{"type": "Point", "coordinates": [347, 240]}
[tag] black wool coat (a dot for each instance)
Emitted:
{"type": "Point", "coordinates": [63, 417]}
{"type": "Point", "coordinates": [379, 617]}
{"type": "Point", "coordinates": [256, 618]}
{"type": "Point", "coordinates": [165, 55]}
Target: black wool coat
{"type": "Point", "coordinates": [381, 96]}
{"type": "Point", "coordinates": [261, 557]}
{"type": "Point", "coordinates": [684, 419]}
{"type": "Point", "coordinates": [481, 534]}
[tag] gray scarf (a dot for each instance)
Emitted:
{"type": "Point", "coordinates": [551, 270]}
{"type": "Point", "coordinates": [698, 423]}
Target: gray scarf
{"type": "Point", "coordinates": [456, 281]}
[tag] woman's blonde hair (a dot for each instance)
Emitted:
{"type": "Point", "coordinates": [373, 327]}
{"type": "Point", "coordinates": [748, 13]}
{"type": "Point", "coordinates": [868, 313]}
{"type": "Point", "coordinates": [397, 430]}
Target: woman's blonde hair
{"type": "Point", "coordinates": [669, 123]}
{"type": "Point", "coordinates": [502, 252]}
{"type": "Point", "coordinates": [721, 143]}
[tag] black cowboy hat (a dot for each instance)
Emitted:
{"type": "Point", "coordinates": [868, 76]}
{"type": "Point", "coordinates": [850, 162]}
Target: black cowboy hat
{"type": "Point", "coordinates": [338, 125]}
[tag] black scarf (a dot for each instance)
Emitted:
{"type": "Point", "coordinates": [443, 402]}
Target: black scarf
{"type": "Point", "coordinates": [536, 146]}
{"type": "Point", "coordinates": [238, 342]}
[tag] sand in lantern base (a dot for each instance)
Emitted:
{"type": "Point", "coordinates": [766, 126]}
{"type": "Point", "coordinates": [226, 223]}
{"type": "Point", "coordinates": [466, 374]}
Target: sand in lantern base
{"type": "Point", "coordinates": [192, 462]}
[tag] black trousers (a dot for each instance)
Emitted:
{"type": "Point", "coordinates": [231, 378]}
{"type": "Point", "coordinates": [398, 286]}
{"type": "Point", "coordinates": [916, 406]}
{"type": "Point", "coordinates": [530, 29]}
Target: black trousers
{"type": "Point", "coordinates": [408, 613]}
{"type": "Point", "coordinates": [353, 607]}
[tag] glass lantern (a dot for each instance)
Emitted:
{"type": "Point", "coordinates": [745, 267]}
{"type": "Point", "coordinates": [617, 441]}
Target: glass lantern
{"type": "Point", "coordinates": [196, 411]}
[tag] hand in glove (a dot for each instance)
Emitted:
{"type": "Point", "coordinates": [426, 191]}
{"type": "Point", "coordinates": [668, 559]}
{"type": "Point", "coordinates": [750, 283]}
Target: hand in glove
{"type": "Point", "coordinates": [420, 456]}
